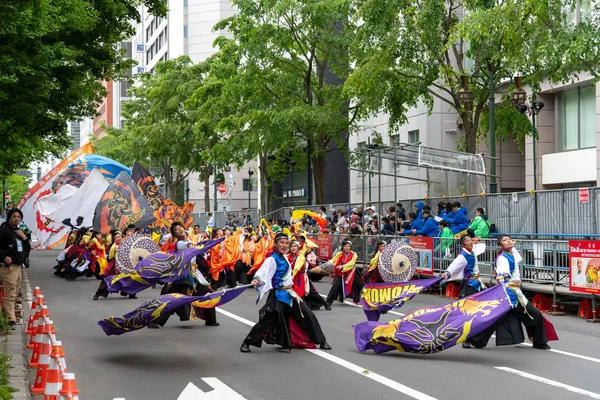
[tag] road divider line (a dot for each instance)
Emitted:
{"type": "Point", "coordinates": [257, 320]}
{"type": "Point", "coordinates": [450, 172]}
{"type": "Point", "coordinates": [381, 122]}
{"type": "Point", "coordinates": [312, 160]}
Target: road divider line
{"type": "Point", "coordinates": [397, 386]}
{"type": "Point", "coordinates": [550, 382]}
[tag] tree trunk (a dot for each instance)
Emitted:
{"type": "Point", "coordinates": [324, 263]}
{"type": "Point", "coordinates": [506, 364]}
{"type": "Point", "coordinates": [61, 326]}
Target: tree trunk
{"type": "Point", "coordinates": [264, 200]}
{"type": "Point", "coordinates": [206, 174]}
{"type": "Point", "coordinates": [318, 165]}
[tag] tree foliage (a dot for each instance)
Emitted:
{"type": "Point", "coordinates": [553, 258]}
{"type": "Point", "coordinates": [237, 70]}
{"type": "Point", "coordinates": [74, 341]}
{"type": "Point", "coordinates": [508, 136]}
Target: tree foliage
{"type": "Point", "coordinates": [53, 53]}
{"type": "Point", "coordinates": [295, 53]}
{"type": "Point", "coordinates": [418, 50]}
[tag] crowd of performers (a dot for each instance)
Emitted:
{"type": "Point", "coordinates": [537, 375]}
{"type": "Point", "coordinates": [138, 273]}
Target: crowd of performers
{"type": "Point", "coordinates": [280, 266]}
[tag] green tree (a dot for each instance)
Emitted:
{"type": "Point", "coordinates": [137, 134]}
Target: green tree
{"type": "Point", "coordinates": [53, 55]}
{"type": "Point", "coordinates": [409, 50]}
{"type": "Point", "coordinates": [287, 49]}
{"type": "Point", "coordinates": [17, 186]}
{"type": "Point", "coordinates": [158, 131]}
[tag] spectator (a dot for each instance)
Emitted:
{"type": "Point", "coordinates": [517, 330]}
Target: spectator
{"type": "Point", "coordinates": [14, 244]}
{"type": "Point", "coordinates": [342, 220]}
{"type": "Point", "coordinates": [400, 211]}
{"type": "Point", "coordinates": [403, 226]}
{"type": "Point", "coordinates": [415, 222]}
{"type": "Point", "coordinates": [430, 226]}
{"type": "Point", "coordinates": [211, 221]}
{"type": "Point", "coordinates": [419, 210]}
{"type": "Point", "coordinates": [449, 212]}
{"type": "Point", "coordinates": [323, 212]}
{"type": "Point", "coordinates": [458, 222]}
{"type": "Point", "coordinates": [387, 228]}
{"type": "Point", "coordinates": [480, 224]}
{"type": "Point", "coordinates": [446, 241]}
{"type": "Point", "coordinates": [441, 209]}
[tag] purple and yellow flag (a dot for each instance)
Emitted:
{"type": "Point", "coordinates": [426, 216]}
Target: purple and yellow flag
{"type": "Point", "coordinates": [122, 204]}
{"type": "Point", "coordinates": [156, 308]}
{"type": "Point", "coordinates": [169, 212]}
{"type": "Point", "coordinates": [432, 330]}
{"type": "Point", "coordinates": [158, 268]}
{"type": "Point", "coordinates": [145, 182]}
{"type": "Point", "coordinates": [379, 298]}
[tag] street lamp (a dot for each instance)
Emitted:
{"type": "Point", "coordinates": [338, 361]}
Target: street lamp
{"type": "Point", "coordinates": [250, 173]}
{"type": "Point", "coordinates": [534, 109]}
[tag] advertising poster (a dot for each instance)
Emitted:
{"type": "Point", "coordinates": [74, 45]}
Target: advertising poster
{"type": "Point", "coordinates": [423, 245]}
{"type": "Point", "coordinates": [325, 243]}
{"type": "Point", "coordinates": [584, 266]}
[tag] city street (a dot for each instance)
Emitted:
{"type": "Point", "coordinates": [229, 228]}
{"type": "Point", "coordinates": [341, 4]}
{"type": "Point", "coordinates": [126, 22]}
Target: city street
{"type": "Point", "coordinates": [159, 364]}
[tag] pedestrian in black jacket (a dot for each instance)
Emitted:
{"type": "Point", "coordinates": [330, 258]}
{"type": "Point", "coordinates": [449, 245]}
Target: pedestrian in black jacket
{"type": "Point", "coordinates": [14, 246]}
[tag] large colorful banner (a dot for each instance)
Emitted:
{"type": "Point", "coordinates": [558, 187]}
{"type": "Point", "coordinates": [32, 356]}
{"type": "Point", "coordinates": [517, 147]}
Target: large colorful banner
{"type": "Point", "coordinates": [76, 173]}
{"type": "Point", "coordinates": [162, 306]}
{"type": "Point", "coordinates": [325, 242]}
{"type": "Point", "coordinates": [49, 232]}
{"type": "Point", "coordinates": [423, 245]}
{"type": "Point", "coordinates": [584, 266]}
{"type": "Point", "coordinates": [432, 330]}
{"type": "Point", "coordinates": [145, 182]}
{"type": "Point", "coordinates": [79, 209]}
{"type": "Point", "coordinates": [379, 298]}
{"type": "Point", "coordinates": [169, 212]}
{"type": "Point", "coordinates": [122, 204]}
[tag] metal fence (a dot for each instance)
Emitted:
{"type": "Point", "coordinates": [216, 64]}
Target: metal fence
{"type": "Point", "coordinates": [240, 218]}
{"type": "Point", "coordinates": [544, 214]}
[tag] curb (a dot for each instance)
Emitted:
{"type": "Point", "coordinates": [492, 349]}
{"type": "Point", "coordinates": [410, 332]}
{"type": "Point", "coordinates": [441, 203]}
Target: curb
{"type": "Point", "coordinates": [15, 347]}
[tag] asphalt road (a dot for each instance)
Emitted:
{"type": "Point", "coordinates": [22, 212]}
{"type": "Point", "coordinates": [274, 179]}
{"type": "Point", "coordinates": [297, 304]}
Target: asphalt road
{"type": "Point", "coordinates": [158, 364]}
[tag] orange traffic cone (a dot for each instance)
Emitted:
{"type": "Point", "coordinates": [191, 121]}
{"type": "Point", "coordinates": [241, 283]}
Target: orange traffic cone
{"type": "Point", "coordinates": [43, 314]}
{"type": "Point", "coordinates": [41, 374]}
{"type": "Point", "coordinates": [57, 349]}
{"type": "Point", "coordinates": [36, 291]}
{"type": "Point", "coordinates": [53, 378]}
{"type": "Point", "coordinates": [42, 344]}
{"type": "Point", "coordinates": [35, 311]}
{"type": "Point", "coordinates": [69, 389]}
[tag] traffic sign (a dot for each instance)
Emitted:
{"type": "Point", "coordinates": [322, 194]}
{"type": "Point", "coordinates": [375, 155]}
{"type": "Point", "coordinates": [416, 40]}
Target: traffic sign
{"type": "Point", "coordinates": [222, 188]}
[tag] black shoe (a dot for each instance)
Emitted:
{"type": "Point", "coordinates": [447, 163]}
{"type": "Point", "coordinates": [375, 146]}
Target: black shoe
{"type": "Point", "coordinates": [123, 294]}
{"type": "Point", "coordinates": [244, 348]}
{"type": "Point", "coordinates": [327, 307]}
{"type": "Point", "coordinates": [153, 325]}
{"type": "Point", "coordinates": [213, 324]}
{"type": "Point", "coordinates": [325, 346]}
{"type": "Point", "coordinates": [285, 350]}
{"type": "Point", "coordinates": [132, 296]}
{"type": "Point", "coordinates": [96, 297]}
{"type": "Point", "coordinates": [12, 325]}
{"type": "Point", "coordinates": [542, 346]}
{"type": "Point", "coordinates": [466, 345]}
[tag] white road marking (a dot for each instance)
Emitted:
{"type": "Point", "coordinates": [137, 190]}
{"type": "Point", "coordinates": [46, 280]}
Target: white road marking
{"type": "Point", "coordinates": [350, 366]}
{"type": "Point", "coordinates": [220, 391]}
{"type": "Point", "coordinates": [550, 382]}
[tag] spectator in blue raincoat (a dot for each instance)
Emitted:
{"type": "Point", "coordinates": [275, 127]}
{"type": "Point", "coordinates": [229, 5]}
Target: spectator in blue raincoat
{"type": "Point", "coordinates": [458, 222]}
{"type": "Point", "coordinates": [430, 226]}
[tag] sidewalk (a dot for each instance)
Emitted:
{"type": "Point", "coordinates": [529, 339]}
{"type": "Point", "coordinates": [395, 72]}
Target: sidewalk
{"type": "Point", "coordinates": [14, 345]}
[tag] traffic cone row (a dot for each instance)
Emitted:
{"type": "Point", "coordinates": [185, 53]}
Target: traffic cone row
{"type": "Point", "coordinates": [47, 356]}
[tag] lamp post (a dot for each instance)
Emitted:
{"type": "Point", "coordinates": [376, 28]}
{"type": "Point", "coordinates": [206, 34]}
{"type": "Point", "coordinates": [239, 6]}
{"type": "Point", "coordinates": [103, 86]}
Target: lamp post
{"type": "Point", "coordinates": [250, 173]}
{"type": "Point", "coordinates": [519, 98]}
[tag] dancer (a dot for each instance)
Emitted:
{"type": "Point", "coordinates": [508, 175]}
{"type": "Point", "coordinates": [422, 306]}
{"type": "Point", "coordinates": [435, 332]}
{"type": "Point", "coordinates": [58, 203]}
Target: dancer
{"type": "Point", "coordinates": [111, 268]}
{"type": "Point", "coordinates": [188, 285]}
{"type": "Point", "coordinates": [346, 282]}
{"type": "Point", "coordinates": [302, 285]}
{"type": "Point", "coordinates": [275, 278]}
{"type": "Point", "coordinates": [508, 329]}
{"type": "Point", "coordinates": [372, 275]}
{"type": "Point", "coordinates": [465, 268]}
{"type": "Point", "coordinates": [243, 265]}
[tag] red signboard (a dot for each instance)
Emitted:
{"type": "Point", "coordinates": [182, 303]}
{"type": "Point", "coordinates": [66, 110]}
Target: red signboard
{"type": "Point", "coordinates": [584, 195]}
{"type": "Point", "coordinates": [325, 243]}
{"type": "Point", "coordinates": [222, 188]}
{"type": "Point", "coordinates": [584, 266]}
{"type": "Point", "coordinates": [423, 245]}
